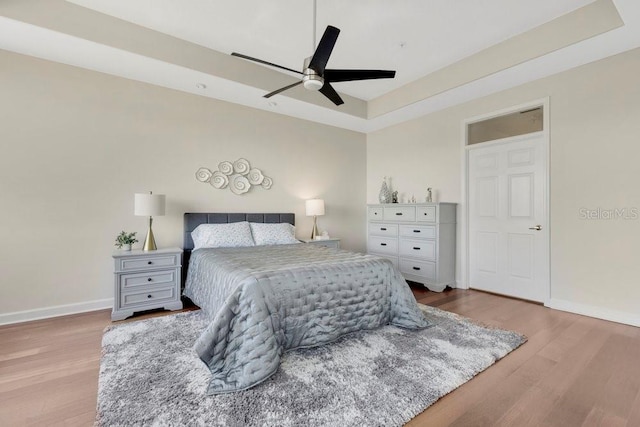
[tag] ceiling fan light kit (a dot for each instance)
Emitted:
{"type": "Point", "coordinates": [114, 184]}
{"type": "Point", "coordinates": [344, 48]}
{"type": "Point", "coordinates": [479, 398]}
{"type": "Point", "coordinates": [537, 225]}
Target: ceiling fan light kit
{"type": "Point", "coordinates": [316, 77]}
{"type": "Point", "coordinates": [311, 80]}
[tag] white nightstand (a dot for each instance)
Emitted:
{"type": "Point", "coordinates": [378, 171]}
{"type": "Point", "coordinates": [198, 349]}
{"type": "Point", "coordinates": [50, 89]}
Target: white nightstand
{"type": "Point", "coordinates": [146, 280]}
{"type": "Point", "coordinates": [329, 243]}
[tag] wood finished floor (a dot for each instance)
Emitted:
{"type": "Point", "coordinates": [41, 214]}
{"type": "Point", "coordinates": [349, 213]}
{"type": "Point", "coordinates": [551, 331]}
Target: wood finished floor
{"type": "Point", "coordinates": [573, 371]}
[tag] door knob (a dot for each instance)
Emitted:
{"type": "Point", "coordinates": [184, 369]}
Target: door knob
{"type": "Point", "coordinates": [537, 228]}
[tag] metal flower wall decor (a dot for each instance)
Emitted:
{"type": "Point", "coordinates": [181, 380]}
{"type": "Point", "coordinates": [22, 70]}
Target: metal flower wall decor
{"type": "Point", "coordinates": [238, 176]}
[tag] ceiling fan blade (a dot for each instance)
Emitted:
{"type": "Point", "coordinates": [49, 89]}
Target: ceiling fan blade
{"type": "Point", "coordinates": [239, 55]}
{"type": "Point", "coordinates": [323, 51]}
{"type": "Point", "coordinates": [328, 91]}
{"type": "Point", "coordinates": [282, 89]}
{"type": "Point", "coordinates": [349, 75]}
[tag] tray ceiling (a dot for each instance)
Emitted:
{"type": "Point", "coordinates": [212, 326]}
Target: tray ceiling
{"type": "Point", "coordinates": [444, 52]}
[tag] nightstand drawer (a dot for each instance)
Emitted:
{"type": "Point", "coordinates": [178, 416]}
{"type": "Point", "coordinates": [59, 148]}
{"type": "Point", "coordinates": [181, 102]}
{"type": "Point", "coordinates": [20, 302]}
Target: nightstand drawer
{"type": "Point", "coordinates": [383, 245]}
{"type": "Point", "coordinates": [153, 278]}
{"type": "Point", "coordinates": [418, 231]}
{"type": "Point", "coordinates": [327, 243]}
{"type": "Point", "coordinates": [423, 269]}
{"type": "Point", "coordinates": [152, 297]}
{"type": "Point", "coordinates": [400, 213]}
{"type": "Point", "coordinates": [425, 249]}
{"type": "Point", "coordinates": [149, 262]}
{"type": "Point", "coordinates": [390, 230]}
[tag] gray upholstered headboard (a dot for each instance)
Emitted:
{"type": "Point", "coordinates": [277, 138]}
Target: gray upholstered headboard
{"type": "Point", "coordinates": [192, 220]}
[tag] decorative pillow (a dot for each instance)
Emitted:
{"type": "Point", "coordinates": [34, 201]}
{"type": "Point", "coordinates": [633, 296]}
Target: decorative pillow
{"type": "Point", "coordinates": [235, 234]}
{"type": "Point", "coordinates": [273, 234]}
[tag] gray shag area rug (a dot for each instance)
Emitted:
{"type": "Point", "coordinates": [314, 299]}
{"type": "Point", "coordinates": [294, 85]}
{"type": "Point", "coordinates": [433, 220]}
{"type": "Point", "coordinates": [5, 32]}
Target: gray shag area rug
{"type": "Point", "coordinates": [149, 375]}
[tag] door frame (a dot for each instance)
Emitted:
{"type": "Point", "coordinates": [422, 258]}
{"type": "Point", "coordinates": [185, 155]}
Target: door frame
{"type": "Point", "coordinates": [464, 213]}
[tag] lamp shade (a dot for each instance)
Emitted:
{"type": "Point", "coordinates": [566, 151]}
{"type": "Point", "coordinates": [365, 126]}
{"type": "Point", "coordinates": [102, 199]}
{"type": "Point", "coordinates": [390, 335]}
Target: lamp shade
{"type": "Point", "coordinates": [149, 204]}
{"type": "Point", "coordinates": [314, 207]}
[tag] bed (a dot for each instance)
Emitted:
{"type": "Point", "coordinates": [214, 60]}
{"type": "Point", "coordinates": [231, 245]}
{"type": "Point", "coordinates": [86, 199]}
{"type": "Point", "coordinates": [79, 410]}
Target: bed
{"type": "Point", "coordinates": [265, 300]}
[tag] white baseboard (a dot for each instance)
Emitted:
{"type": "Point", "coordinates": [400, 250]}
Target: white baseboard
{"type": "Point", "coordinates": [55, 311]}
{"type": "Point", "coordinates": [460, 285]}
{"type": "Point", "coordinates": [593, 311]}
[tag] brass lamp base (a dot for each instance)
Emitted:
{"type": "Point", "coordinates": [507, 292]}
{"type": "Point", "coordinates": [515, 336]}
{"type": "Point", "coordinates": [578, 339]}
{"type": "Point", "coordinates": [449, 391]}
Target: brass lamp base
{"type": "Point", "coordinates": [150, 241]}
{"type": "Point", "coordinates": [314, 230]}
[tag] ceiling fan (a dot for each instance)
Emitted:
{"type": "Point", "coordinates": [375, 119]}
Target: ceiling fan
{"type": "Point", "coordinates": [314, 74]}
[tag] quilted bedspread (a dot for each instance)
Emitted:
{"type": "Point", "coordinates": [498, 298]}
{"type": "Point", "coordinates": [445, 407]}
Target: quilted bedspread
{"type": "Point", "coordinates": [265, 300]}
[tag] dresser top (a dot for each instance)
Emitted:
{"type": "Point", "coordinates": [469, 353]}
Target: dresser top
{"type": "Point", "coordinates": [411, 204]}
{"type": "Point", "coordinates": [140, 252]}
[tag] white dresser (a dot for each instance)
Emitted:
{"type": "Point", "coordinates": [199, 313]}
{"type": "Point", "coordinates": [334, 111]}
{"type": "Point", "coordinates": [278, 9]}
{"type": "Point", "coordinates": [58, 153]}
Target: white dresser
{"type": "Point", "coordinates": [420, 239]}
{"type": "Point", "coordinates": [146, 280]}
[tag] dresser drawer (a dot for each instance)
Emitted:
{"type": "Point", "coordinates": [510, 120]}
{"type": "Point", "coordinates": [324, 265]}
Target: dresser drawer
{"type": "Point", "coordinates": [390, 230]}
{"type": "Point", "coordinates": [149, 262]}
{"type": "Point", "coordinates": [153, 278]}
{"type": "Point", "coordinates": [423, 249]}
{"type": "Point", "coordinates": [424, 269]}
{"type": "Point", "coordinates": [400, 213]}
{"type": "Point", "coordinates": [427, 213]}
{"type": "Point", "coordinates": [418, 231]}
{"type": "Point", "coordinates": [375, 214]}
{"type": "Point", "coordinates": [152, 297]}
{"type": "Point", "coordinates": [383, 245]}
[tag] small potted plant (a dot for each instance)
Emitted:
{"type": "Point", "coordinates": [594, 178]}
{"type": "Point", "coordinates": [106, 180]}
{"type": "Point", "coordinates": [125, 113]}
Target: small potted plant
{"type": "Point", "coordinates": [125, 240]}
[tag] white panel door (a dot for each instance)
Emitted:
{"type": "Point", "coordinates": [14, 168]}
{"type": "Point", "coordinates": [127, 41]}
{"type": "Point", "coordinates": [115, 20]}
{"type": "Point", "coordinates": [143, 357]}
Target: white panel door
{"type": "Point", "coordinates": [508, 236]}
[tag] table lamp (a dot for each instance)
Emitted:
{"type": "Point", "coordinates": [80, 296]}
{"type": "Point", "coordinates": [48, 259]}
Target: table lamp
{"type": "Point", "coordinates": [149, 205]}
{"type": "Point", "coordinates": [314, 208]}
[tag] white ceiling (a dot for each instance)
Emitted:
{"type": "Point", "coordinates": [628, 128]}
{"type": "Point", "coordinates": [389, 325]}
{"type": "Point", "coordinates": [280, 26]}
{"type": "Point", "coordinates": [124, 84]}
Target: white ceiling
{"type": "Point", "coordinates": [413, 37]}
{"type": "Point", "coordinates": [435, 33]}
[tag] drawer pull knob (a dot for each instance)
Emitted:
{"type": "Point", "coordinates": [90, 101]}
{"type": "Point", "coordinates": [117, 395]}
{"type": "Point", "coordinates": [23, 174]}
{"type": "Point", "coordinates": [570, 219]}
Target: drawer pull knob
{"type": "Point", "coordinates": [383, 229]}
{"type": "Point", "coordinates": [416, 231]}
{"type": "Point", "coordinates": [149, 262]}
{"type": "Point", "coordinates": [416, 248]}
{"type": "Point", "coordinates": [399, 213]}
{"type": "Point", "coordinates": [383, 244]}
{"type": "Point", "coordinates": [149, 296]}
{"type": "Point", "coordinates": [416, 268]}
{"type": "Point", "coordinates": [149, 279]}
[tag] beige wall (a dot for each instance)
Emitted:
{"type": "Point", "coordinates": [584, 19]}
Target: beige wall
{"type": "Point", "coordinates": [76, 146]}
{"type": "Point", "coordinates": [594, 152]}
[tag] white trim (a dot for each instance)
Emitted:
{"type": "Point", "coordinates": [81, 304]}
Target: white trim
{"type": "Point", "coordinates": [55, 311]}
{"type": "Point", "coordinates": [507, 140]}
{"type": "Point", "coordinates": [593, 311]}
{"type": "Point", "coordinates": [464, 212]}
{"type": "Point", "coordinates": [464, 238]}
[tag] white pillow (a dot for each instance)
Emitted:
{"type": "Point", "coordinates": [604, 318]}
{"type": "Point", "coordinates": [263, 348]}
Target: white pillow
{"type": "Point", "coordinates": [273, 234]}
{"type": "Point", "coordinates": [232, 235]}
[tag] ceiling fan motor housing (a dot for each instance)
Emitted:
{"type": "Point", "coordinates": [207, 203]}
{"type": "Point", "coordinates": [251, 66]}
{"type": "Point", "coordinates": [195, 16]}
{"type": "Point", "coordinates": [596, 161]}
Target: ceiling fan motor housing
{"type": "Point", "coordinates": [311, 80]}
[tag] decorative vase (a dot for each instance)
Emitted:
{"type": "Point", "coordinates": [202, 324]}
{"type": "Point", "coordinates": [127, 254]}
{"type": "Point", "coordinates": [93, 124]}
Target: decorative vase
{"type": "Point", "coordinates": [385, 194]}
{"type": "Point", "coordinates": [126, 247]}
